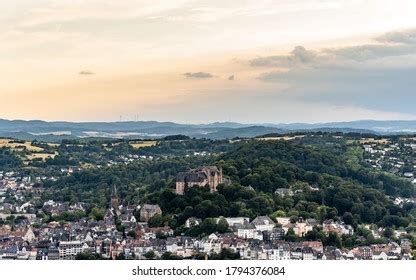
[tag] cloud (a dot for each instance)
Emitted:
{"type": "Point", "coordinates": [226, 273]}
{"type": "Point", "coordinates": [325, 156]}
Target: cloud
{"type": "Point", "coordinates": [375, 88]}
{"type": "Point", "coordinates": [400, 37]}
{"type": "Point", "coordinates": [369, 52]}
{"type": "Point", "coordinates": [299, 55]}
{"type": "Point", "coordinates": [391, 44]}
{"type": "Point", "coordinates": [231, 78]}
{"type": "Point", "coordinates": [198, 75]}
{"type": "Point", "coordinates": [86, 72]}
{"type": "Point", "coordinates": [390, 50]}
{"type": "Point", "coordinates": [378, 76]}
{"type": "Point", "coordinates": [273, 76]}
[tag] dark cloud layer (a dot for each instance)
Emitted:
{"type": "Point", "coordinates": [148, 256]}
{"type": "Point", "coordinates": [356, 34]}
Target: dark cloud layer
{"type": "Point", "coordinates": [198, 75]}
{"type": "Point", "coordinates": [369, 52]}
{"type": "Point", "coordinates": [377, 76]}
{"type": "Point", "coordinates": [391, 44]}
{"type": "Point", "coordinates": [299, 55]}
{"type": "Point", "coordinates": [400, 37]}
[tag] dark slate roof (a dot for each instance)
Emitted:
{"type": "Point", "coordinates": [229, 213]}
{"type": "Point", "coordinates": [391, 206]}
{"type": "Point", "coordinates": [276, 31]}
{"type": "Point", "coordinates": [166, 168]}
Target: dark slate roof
{"type": "Point", "coordinates": [198, 174]}
{"type": "Point", "coordinates": [191, 177]}
{"type": "Point", "coordinates": [262, 220]}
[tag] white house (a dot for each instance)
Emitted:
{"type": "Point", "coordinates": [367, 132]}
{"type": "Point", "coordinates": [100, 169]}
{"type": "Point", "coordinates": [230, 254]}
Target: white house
{"type": "Point", "coordinates": [263, 223]}
{"type": "Point", "coordinates": [302, 228]}
{"type": "Point", "coordinates": [283, 220]}
{"type": "Point", "coordinates": [236, 220]}
{"type": "Point", "coordinates": [246, 230]}
{"type": "Point", "coordinates": [192, 222]}
{"type": "Point", "coordinates": [280, 253]}
{"type": "Point", "coordinates": [380, 256]}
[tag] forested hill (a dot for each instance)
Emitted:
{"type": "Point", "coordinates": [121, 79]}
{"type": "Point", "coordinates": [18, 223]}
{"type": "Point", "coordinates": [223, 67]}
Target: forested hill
{"type": "Point", "coordinates": [252, 164]}
{"type": "Point", "coordinates": [328, 182]}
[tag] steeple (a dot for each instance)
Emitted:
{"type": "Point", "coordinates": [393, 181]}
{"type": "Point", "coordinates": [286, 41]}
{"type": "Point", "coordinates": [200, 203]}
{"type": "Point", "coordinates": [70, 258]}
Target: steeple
{"type": "Point", "coordinates": [114, 192]}
{"type": "Point", "coordinates": [114, 199]}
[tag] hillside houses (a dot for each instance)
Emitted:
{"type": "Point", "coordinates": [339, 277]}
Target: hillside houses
{"type": "Point", "coordinates": [339, 228]}
{"type": "Point", "coordinates": [397, 157]}
{"type": "Point", "coordinates": [261, 239]}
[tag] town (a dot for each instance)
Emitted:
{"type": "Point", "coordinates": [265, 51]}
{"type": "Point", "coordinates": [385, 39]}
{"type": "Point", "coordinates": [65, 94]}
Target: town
{"type": "Point", "coordinates": [37, 224]}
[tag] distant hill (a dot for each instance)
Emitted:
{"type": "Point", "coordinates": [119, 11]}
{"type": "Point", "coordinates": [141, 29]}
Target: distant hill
{"type": "Point", "coordinates": [251, 131]}
{"type": "Point", "coordinates": [377, 126]}
{"type": "Point", "coordinates": [56, 131]}
{"type": "Point", "coordinates": [338, 129]}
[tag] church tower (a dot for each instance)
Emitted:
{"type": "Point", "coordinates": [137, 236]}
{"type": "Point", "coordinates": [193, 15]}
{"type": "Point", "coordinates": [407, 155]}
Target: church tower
{"type": "Point", "coordinates": [115, 202]}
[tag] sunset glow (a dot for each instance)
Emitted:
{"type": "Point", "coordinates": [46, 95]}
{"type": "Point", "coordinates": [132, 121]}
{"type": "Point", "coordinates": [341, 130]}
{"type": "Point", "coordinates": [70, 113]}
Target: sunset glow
{"type": "Point", "coordinates": [204, 61]}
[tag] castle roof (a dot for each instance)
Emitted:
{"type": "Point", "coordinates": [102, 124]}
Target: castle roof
{"type": "Point", "coordinates": [198, 174]}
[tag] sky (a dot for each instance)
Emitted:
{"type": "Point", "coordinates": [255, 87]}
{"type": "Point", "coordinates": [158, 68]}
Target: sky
{"type": "Point", "coordinates": [250, 61]}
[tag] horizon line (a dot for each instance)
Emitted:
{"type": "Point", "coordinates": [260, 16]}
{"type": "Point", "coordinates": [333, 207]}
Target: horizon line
{"type": "Point", "coordinates": [207, 123]}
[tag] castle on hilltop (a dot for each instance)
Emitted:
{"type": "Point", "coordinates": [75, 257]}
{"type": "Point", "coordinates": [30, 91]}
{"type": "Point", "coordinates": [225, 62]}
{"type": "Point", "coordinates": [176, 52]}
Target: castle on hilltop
{"type": "Point", "coordinates": [205, 176]}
